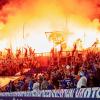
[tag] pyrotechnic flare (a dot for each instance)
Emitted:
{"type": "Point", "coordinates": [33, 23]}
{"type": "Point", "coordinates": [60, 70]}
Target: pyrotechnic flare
{"type": "Point", "coordinates": [42, 16]}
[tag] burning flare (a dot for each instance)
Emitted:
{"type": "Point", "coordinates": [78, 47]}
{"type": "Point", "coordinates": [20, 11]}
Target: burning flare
{"type": "Point", "coordinates": [23, 23]}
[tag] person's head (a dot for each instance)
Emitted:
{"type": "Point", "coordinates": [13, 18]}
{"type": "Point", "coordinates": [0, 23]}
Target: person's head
{"type": "Point", "coordinates": [81, 68]}
{"type": "Point", "coordinates": [81, 74]}
{"type": "Point", "coordinates": [91, 75]}
{"type": "Point", "coordinates": [50, 81]}
{"type": "Point", "coordinates": [37, 80]}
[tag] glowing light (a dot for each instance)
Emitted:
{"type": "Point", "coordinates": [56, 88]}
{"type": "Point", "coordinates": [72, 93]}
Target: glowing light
{"type": "Point", "coordinates": [1, 26]}
{"type": "Point", "coordinates": [87, 33]}
{"type": "Point", "coordinates": [3, 44]}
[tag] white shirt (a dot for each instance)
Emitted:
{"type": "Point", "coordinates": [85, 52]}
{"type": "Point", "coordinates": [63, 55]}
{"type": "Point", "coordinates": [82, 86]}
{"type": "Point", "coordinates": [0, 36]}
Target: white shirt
{"type": "Point", "coordinates": [82, 82]}
{"type": "Point", "coordinates": [36, 86]}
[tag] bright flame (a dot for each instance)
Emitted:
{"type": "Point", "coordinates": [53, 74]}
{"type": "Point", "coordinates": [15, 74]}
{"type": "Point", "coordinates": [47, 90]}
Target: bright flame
{"type": "Point", "coordinates": [34, 35]}
{"type": "Point", "coordinates": [42, 16]}
{"type": "Point", "coordinates": [82, 29]}
{"type": "Point", "coordinates": [3, 44]}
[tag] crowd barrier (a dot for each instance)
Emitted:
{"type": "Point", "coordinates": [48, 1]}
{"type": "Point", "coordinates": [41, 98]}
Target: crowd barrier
{"type": "Point", "coordinates": [60, 94]}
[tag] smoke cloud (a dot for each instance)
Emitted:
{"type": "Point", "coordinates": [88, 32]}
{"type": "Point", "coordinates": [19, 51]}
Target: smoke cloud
{"type": "Point", "coordinates": [14, 13]}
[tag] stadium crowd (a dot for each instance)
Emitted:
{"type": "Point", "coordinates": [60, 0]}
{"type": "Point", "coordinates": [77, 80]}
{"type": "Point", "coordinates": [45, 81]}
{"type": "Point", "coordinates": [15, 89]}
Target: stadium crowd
{"type": "Point", "coordinates": [79, 70]}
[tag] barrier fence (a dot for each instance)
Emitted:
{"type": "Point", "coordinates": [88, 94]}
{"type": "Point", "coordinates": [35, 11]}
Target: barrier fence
{"type": "Point", "coordinates": [77, 93]}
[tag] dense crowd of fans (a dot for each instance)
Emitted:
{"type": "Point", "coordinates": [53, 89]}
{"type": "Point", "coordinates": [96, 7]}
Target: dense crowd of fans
{"type": "Point", "coordinates": [11, 63]}
{"type": "Point", "coordinates": [73, 70]}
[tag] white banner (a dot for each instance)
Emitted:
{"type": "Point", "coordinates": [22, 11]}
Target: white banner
{"type": "Point", "coordinates": [66, 93]}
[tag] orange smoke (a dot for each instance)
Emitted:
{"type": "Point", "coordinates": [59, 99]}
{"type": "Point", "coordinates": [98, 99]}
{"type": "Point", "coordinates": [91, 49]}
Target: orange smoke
{"type": "Point", "coordinates": [84, 29]}
{"type": "Point", "coordinates": [76, 18]}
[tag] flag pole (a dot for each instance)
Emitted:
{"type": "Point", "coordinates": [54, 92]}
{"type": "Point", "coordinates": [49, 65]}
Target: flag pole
{"type": "Point", "coordinates": [23, 37]}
